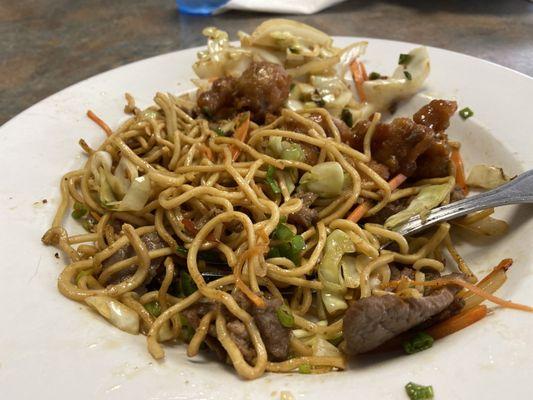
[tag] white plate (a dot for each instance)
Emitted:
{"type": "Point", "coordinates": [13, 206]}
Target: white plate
{"type": "Point", "coordinates": [51, 347]}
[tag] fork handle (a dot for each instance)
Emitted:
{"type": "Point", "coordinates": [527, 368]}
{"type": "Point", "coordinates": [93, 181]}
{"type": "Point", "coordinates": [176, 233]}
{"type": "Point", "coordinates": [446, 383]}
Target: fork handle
{"type": "Point", "coordinates": [519, 190]}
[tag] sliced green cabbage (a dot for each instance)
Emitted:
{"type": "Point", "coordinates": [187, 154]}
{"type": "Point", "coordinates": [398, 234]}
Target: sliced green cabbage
{"type": "Point", "coordinates": [115, 312]}
{"type": "Point", "coordinates": [220, 59]}
{"type": "Point", "coordinates": [382, 93]}
{"type": "Point", "coordinates": [325, 179]}
{"type": "Point", "coordinates": [137, 195]}
{"type": "Point", "coordinates": [123, 190]}
{"type": "Point", "coordinates": [486, 177]}
{"type": "Point", "coordinates": [322, 348]}
{"type": "Point", "coordinates": [337, 244]}
{"type": "Point", "coordinates": [285, 150]}
{"type": "Point", "coordinates": [333, 91]}
{"type": "Point", "coordinates": [428, 198]}
{"type": "Point", "coordinates": [290, 36]}
{"type": "Point", "coordinates": [486, 227]}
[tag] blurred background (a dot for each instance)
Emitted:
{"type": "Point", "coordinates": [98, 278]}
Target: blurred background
{"type": "Point", "coordinates": [47, 45]}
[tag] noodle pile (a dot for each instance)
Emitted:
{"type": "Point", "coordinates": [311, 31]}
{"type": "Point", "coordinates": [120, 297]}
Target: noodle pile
{"type": "Point", "coordinates": [192, 171]}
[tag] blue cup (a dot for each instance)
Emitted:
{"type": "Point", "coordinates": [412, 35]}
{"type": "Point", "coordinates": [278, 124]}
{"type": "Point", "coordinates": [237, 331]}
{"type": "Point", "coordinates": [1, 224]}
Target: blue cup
{"type": "Point", "coordinates": [199, 7]}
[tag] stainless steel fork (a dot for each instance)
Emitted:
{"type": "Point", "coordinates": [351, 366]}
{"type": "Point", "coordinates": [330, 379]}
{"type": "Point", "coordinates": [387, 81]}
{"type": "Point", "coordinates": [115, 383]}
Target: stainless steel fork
{"type": "Point", "coordinates": [517, 191]}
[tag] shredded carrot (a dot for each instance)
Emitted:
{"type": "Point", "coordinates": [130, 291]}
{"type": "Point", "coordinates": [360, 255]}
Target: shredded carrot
{"type": "Point", "coordinates": [241, 132]}
{"type": "Point", "coordinates": [100, 123]}
{"type": "Point", "coordinates": [359, 212]}
{"type": "Point", "coordinates": [363, 70]}
{"type": "Point", "coordinates": [358, 78]}
{"type": "Point", "coordinates": [473, 288]}
{"type": "Point", "coordinates": [362, 208]}
{"type": "Point", "coordinates": [237, 270]}
{"type": "Point", "coordinates": [191, 228]}
{"type": "Point", "coordinates": [460, 178]}
{"type": "Point", "coordinates": [395, 182]}
{"type": "Point", "coordinates": [206, 151]}
{"type": "Point", "coordinates": [257, 300]}
{"type": "Point", "coordinates": [189, 225]}
{"type": "Point", "coordinates": [457, 322]}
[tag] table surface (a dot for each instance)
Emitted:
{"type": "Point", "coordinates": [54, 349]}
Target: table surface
{"type": "Point", "coordinates": [49, 45]}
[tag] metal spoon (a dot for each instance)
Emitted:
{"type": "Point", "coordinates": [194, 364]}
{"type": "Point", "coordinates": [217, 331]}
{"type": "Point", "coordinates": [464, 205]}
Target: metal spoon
{"type": "Point", "coordinates": [517, 191]}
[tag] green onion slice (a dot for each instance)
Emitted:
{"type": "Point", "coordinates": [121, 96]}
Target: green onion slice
{"type": "Point", "coordinates": [405, 59]}
{"type": "Point", "coordinates": [419, 342]}
{"type": "Point", "coordinates": [466, 113]}
{"type": "Point", "coordinates": [304, 369]}
{"type": "Point", "coordinates": [419, 392]}
{"type": "Point", "coordinates": [285, 316]}
{"type": "Point", "coordinates": [153, 308]}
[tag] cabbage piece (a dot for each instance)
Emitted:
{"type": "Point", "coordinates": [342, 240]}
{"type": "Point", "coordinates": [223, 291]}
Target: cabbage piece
{"type": "Point", "coordinates": [337, 243]}
{"type": "Point", "coordinates": [165, 332]}
{"type": "Point", "coordinates": [137, 195]}
{"type": "Point", "coordinates": [220, 59]}
{"type": "Point", "coordinates": [122, 190]}
{"type": "Point", "coordinates": [350, 273]}
{"type": "Point", "coordinates": [429, 197]}
{"type": "Point", "coordinates": [125, 173]}
{"type": "Point", "coordinates": [285, 34]}
{"type": "Point", "coordinates": [285, 150]}
{"type": "Point", "coordinates": [325, 179]}
{"type": "Point", "coordinates": [289, 177]}
{"type": "Point", "coordinates": [106, 195]}
{"type": "Point", "coordinates": [404, 82]}
{"type": "Point", "coordinates": [486, 227]}
{"type": "Point", "coordinates": [115, 312]}
{"type": "Point", "coordinates": [101, 162]}
{"type": "Point", "coordinates": [349, 54]}
{"type": "Point", "coordinates": [486, 177]}
{"type": "Point", "coordinates": [333, 91]}
{"type": "Point", "coordinates": [322, 348]}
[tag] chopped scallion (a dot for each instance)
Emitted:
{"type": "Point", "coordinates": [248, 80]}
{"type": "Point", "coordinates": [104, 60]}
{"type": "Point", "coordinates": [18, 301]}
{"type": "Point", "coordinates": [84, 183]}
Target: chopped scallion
{"type": "Point", "coordinates": [304, 369]}
{"type": "Point", "coordinates": [79, 210]}
{"type": "Point", "coordinates": [419, 392]}
{"type": "Point", "coordinates": [419, 342]}
{"type": "Point", "coordinates": [408, 75]}
{"type": "Point", "coordinates": [274, 186]}
{"type": "Point", "coordinates": [347, 117]}
{"type": "Point", "coordinates": [153, 308]}
{"type": "Point", "coordinates": [297, 243]}
{"type": "Point", "coordinates": [285, 316]}
{"type": "Point", "coordinates": [466, 113]}
{"type": "Point", "coordinates": [374, 75]}
{"type": "Point", "coordinates": [405, 59]}
{"type": "Point", "coordinates": [187, 332]}
{"type": "Point", "coordinates": [220, 132]}
{"type": "Point", "coordinates": [282, 232]}
{"type": "Point", "coordinates": [317, 98]}
{"type": "Point", "coordinates": [89, 226]}
{"type": "Point", "coordinates": [182, 251]}
{"type": "Point", "coordinates": [187, 285]}
{"type": "Point", "coordinates": [291, 245]}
